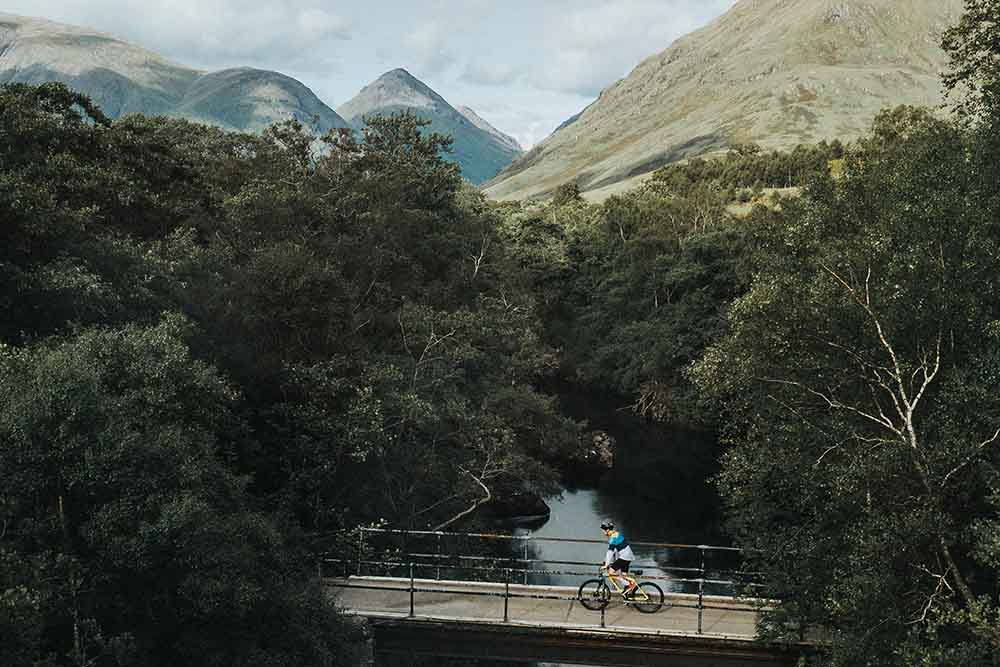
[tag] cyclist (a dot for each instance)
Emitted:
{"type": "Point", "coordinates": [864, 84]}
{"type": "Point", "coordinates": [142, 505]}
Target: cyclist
{"type": "Point", "coordinates": [619, 557]}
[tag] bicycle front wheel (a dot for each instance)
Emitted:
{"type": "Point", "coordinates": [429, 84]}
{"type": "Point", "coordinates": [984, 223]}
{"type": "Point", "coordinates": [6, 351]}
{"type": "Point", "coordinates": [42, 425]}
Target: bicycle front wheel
{"type": "Point", "coordinates": [594, 594]}
{"type": "Point", "coordinates": [649, 598]}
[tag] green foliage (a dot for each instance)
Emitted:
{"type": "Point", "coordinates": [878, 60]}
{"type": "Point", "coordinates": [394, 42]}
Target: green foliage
{"type": "Point", "coordinates": [973, 48]}
{"type": "Point", "coordinates": [567, 193]}
{"type": "Point", "coordinates": [634, 289]}
{"type": "Point", "coordinates": [70, 250]}
{"type": "Point", "coordinates": [746, 166]}
{"type": "Point", "coordinates": [379, 347]}
{"type": "Point", "coordinates": [197, 325]}
{"type": "Point", "coordinates": [858, 383]}
{"type": "Point", "coordinates": [127, 539]}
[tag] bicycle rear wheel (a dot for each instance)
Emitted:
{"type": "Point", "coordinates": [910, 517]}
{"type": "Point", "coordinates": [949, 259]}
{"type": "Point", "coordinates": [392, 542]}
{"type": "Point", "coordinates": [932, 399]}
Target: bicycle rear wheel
{"type": "Point", "coordinates": [649, 598]}
{"type": "Point", "coordinates": [594, 594]}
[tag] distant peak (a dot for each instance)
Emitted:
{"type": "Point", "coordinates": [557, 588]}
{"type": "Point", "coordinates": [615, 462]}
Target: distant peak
{"type": "Point", "coordinates": [400, 76]}
{"type": "Point", "coordinates": [400, 73]}
{"type": "Point", "coordinates": [480, 122]}
{"type": "Point", "coordinates": [395, 88]}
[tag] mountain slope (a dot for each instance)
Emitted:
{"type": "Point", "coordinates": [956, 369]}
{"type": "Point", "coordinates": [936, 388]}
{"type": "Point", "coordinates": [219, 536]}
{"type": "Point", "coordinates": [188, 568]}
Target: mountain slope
{"type": "Point", "coordinates": [479, 152]}
{"type": "Point", "coordinates": [122, 78]}
{"type": "Point", "coordinates": [484, 125]}
{"type": "Point", "coordinates": [777, 72]}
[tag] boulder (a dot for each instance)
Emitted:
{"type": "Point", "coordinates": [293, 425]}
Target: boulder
{"type": "Point", "coordinates": [518, 509]}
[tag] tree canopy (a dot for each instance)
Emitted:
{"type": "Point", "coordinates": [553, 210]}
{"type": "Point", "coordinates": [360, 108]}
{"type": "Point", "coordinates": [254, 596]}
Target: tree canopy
{"type": "Point", "coordinates": [220, 353]}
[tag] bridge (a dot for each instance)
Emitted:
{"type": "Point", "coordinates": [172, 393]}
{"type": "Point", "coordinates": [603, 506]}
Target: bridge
{"type": "Point", "coordinates": [475, 595]}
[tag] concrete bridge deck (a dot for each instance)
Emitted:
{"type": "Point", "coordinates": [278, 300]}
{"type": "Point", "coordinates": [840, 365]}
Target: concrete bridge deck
{"type": "Point", "coordinates": [548, 606]}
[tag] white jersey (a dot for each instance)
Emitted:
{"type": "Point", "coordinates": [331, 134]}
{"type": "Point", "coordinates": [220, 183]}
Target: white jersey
{"type": "Point", "coordinates": [618, 549]}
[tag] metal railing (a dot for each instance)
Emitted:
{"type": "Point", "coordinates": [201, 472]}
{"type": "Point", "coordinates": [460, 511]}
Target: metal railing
{"type": "Point", "coordinates": [507, 568]}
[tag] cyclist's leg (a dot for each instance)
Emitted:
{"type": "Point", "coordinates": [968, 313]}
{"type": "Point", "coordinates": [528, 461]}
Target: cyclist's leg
{"type": "Point", "coordinates": [629, 578]}
{"type": "Point", "coordinates": [623, 580]}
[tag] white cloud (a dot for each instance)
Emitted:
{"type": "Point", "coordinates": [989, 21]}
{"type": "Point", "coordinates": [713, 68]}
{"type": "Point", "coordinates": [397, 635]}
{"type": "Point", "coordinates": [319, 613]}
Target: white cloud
{"type": "Point", "coordinates": [491, 74]}
{"type": "Point", "coordinates": [594, 45]}
{"type": "Point", "coordinates": [428, 47]}
{"type": "Point", "coordinates": [211, 33]}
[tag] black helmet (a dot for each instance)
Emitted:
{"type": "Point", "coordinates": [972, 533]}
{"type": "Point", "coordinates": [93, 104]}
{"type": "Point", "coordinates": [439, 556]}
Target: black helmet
{"type": "Point", "coordinates": [607, 524]}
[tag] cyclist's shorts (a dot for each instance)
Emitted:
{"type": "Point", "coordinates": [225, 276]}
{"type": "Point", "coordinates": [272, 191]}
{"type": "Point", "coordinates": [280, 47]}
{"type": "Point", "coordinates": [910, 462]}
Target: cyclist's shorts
{"type": "Point", "coordinates": [621, 565]}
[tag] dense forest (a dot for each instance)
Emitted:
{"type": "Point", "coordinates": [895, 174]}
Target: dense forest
{"type": "Point", "coordinates": [220, 353]}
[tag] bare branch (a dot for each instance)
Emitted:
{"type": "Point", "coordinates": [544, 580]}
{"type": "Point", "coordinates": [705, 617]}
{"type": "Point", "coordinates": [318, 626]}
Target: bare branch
{"type": "Point", "coordinates": [436, 505]}
{"type": "Point", "coordinates": [478, 260]}
{"type": "Point", "coordinates": [433, 341]}
{"type": "Point", "coordinates": [835, 404]}
{"type": "Point", "coordinates": [472, 508]}
{"type": "Point", "coordinates": [866, 304]}
{"type": "Point", "coordinates": [928, 378]}
{"type": "Point", "coordinates": [971, 457]}
{"type": "Point", "coordinates": [989, 441]}
{"type": "Point", "coordinates": [364, 296]}
{"type": "Point", "coordinates": [942, 583]}
{"type": "Point", "coordinates": [829, 449]}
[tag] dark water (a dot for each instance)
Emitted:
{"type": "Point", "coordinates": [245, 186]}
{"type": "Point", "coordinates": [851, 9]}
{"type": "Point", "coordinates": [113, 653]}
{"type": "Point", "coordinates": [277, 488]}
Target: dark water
{"type": "Point", "coordinates": [660, 486]}
{"type": "Point", "coordinates": [659, 490]}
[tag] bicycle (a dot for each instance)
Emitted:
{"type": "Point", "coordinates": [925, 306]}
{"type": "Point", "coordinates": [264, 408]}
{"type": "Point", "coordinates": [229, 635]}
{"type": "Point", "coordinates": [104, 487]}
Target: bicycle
{"type": "Point", "coordinates": [595, 594]}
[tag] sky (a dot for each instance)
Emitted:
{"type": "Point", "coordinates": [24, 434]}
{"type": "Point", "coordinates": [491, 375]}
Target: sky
{"type": "Point", "coordinates": [523, 65]}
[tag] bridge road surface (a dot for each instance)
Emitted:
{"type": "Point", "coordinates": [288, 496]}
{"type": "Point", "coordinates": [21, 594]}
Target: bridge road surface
{"type": "Point", "coordinates": [737, 620]}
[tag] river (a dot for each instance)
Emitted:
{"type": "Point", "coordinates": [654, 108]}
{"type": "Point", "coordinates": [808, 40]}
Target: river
{"type": "Point", "coordinates": [659, 490]}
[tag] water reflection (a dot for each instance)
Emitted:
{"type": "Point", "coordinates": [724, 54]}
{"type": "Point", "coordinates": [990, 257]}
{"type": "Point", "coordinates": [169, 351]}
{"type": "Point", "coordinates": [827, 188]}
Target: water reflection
{"type": "Point", "coordinates": [578, 514]}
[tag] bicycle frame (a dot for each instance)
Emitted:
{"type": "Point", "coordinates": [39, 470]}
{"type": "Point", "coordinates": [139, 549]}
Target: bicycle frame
{"type": "Point", "coordinates": [613, 578]}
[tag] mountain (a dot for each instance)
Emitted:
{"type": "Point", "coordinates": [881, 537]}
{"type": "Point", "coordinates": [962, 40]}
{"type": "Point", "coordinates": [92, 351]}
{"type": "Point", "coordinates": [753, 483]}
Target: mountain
{"type": "Point", "coordinates": [776, 72]}
{"type": "Point", "coordinates": [480, 152]}
{"type": "Point", "coordinates": [484, 125]}
{"type": "Point", "coordinates": [122, 78]}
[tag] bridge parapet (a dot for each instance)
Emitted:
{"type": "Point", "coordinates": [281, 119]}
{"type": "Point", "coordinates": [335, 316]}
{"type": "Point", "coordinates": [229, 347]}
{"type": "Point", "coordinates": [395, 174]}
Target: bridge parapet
{"type": "Point", "coordinates": [420, 574]}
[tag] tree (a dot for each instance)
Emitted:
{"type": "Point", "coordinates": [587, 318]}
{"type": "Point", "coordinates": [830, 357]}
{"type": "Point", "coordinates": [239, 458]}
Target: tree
{"type": "Point", "coordinates": [864, 456]}
{"type": "Point", "coordinates": [567, 193]}
{"type": "Point", "coordinates": [973, 48]}
{"type": "Point", "coordinates": [126, 538]}
{"type": "Point", "coordinates": [638, 287]}
{"type": "Point", "coordinates": [380, 347]}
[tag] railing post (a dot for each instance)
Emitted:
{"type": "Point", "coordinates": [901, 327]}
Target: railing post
{"type": "Point", "coordinates": [361, 549]}
{"type": "Point", "coordinates": [701, 591]}
{"type": "Point", "coordinates": [506, 595]}
{"type": "Point", "coordinates": [411, 590]}
{"type": "Point", "coordinates": [438, 576]}
{"type": "Point", "coordinates": [525, 561]}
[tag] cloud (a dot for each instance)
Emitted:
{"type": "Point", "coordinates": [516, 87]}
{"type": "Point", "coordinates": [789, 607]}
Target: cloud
{"type": "Point", "coordinates": [594, 46]}
{"type": "Point", "coordinates": [427, 48]}
{"type": "Point", "coordinates": [290, 34]}
{"type": "Point", "coordinates": [577, 71]}
{"type": "Point", "coordinates": [491, 74]}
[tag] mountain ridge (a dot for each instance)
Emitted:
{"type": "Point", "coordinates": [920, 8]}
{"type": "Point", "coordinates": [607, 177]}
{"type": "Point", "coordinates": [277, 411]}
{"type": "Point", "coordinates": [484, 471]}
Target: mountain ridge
{"type": "Point", "coordinates": [480, 153]}
{"type": "Point", "coordinates": [486, 126]}
{"type": "Point", "coordinates": [777, 72]}
{"type": "Point", "coordinates": [123, 78]}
